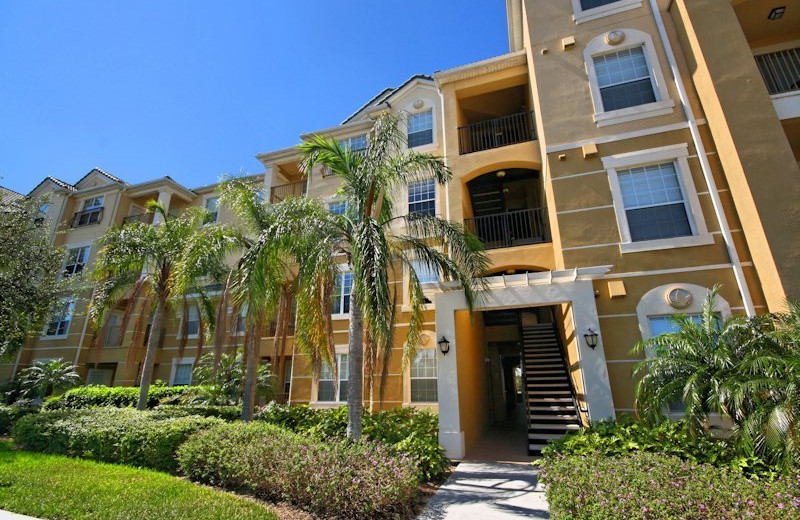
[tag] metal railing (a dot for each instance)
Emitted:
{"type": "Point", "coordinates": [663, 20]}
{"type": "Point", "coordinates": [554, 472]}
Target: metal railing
{"type": "Point", "coordinates": [87, 217]}
{"type": "Point", "coordinates": [494, 133]}
{"type": "Point", "coordinates": [780, 70]}
{"type": "Point", "coordinates": [283, 191]}
{"type": "Point", "coordinates": [511, 228]}
{"type": "Point", "coordinates": [145, 218]}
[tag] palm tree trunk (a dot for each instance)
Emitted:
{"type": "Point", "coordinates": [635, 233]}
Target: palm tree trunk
{"type": "Point", "coordinates": [251, 370]}
{"type": "Point", "coordinates": [150, 356]}
{"type": "Point", "coordinates": [355, 383]}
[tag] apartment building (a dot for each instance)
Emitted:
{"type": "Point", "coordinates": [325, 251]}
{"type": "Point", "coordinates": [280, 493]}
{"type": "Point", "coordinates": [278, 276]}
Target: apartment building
{"type": "Point", "coordinates": [620, 160]}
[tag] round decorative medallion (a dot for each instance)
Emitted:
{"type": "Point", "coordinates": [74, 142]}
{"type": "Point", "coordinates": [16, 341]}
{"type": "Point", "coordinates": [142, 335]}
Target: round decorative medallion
{"type": "Point", "coordinates": [424, 338]}
{"type": "Point", "coordinates": [419, 104]}
{"type": "Point", "coordinates": [679, 298]}
{"type": "Point", "coordinates": [615, 37]}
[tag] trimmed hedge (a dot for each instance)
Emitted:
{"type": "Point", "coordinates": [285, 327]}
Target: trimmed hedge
{"type": "Point", "coordinates": [408, 430]}
{"type": "Point", "coordinates": [348, 480]}
{"type": "Point", "coordinates": [224, 412]}
{"type": "Point", "coordinates": [9, 414]}
{"type": "Point", "coordinates": [119, 435]}
{"type": "Point", "coordinates": [119, 396]}
{"type": "Point", "coordinates": [655, 487]}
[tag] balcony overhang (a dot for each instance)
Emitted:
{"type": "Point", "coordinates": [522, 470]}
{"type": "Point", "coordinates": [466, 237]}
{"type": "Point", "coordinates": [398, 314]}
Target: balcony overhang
{"type": "Point", "coordinates": [158, 185]}
{"type": "Point", "coordinates": [481, 68]}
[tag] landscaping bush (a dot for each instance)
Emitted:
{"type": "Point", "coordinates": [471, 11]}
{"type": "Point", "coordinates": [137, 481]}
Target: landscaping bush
{"type": "Point", "coordinates": [609, 438]}
{"type": "Point", "coordinates": [335, 477]}
{"type": "Point", "coordinates": [654, 487]}
{"type": "Point", "coordinates": [120, 435]}
{"type": "Point", "coordinates": [408, 430]}
{"type": "Point", "coordinates": [9, 415]}
{"type": "Point", "coordinates": [119, 396]}
{"type": "Point", "coordinates": [224, 412]}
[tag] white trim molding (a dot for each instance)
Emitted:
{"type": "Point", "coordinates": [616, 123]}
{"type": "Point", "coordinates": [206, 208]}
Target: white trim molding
{"type": "Point", "coordinates": [633, 38]}
{"type": "Point", "coordinates": [602, 11]}
{"type": "Point", "coordinates": [678, 154]}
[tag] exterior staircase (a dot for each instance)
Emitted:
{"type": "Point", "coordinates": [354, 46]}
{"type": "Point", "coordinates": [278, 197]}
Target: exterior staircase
{"type": "Point", "coordinates": [550, 398]}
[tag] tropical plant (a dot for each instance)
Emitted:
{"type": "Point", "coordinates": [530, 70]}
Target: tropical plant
{"type": "Point", "coordinates": [46, 377]}
{"type": "Point", "coordinates": [224, 381]}
{"type": "Point", "coordinates": [299, 240]}
{"type": "Point", "coordinates": [30, 284]}
{"type": "Point", "coordinates": [155, 267]}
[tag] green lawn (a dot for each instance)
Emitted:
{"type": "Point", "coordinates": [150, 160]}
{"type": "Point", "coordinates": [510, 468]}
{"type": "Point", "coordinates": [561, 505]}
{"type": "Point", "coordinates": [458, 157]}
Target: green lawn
{"type": "Point", "coordinates": [60, 488]}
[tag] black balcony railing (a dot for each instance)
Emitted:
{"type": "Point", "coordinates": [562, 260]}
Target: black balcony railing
{"type": "Point", "coordinates": [511, 228]}
{"type": "Point", "coordinates": [145, 218]}
{"type": "Point", "coordinates": [494, 133]}
{"type": "Point", "coordinates": [283, 191]}
{"type": "Point", "coordinates": [781, 70]}
{"type": "Point", "coordinates": [87, 217]}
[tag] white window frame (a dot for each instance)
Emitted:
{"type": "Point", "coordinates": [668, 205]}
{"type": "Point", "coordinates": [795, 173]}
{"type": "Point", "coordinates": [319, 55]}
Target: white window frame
{"type": "Point", "coordinates": [206, 199]}
{"type": "Point", "coordinates": [347, 142]}
{"type": "Point", "coordinates": [118, 317]}
{"type": "Point", "coordinates": [70, 315]}
{"type": "Point", "coordinates": [633, 38]}
{"type": "Point", "coordinates": [435, 195]}
{"type": "Point", "coordinates": [620, 6]}
{"type": "Point", "coordinates": [241, 322]}
{"type": "Point", "coordinates": [417, 112]}
{"type": "Point", "coordinates": [408, 398]}
{"type": "Point", "coordinates": [173, 370]}
{"type": "Point", "coordinates": [337, 313]}
{"type": "Point", "coordinates": [183, 329]}
{"type": "Point", "coordinates": [72, 247]}
{"type": "Point", "coordinates": [340, 350]}
{"type": "Point", "coordinates": [678, 154]}
{"type": "Point", "coordinates": [333, 203]}
{"type": "Point", "coordinates": [99, 200]}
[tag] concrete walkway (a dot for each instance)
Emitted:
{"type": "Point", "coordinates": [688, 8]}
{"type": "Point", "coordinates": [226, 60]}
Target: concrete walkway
{"type": "Point", "coordinates": [488, 491]}
{"type": "Point", "coordinates": [6, 515]}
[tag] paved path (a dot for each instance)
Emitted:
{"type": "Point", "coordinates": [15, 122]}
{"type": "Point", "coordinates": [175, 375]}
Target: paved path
{"type": "Point", "coordinates": [488, 491]}
{"type": "Point", "coordinates": [5, 515]}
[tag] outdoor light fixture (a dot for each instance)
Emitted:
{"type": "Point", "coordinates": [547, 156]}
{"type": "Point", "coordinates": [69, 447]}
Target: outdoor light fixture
{"type": "Point", "coordinates": [777, 13]}
{"type": "Point", "coordinates": [444, 345]}
{"type": "Point", "coordinates": [500, 174]}
{"type": "Point", "coordinates": [591, 339]}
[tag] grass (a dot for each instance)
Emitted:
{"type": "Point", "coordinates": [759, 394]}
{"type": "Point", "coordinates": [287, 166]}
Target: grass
{"type": "Point", "coordinates": [61, 488]}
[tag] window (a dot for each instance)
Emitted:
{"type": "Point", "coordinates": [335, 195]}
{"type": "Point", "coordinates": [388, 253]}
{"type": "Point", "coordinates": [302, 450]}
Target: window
{"type": "Point", "coordinates": [114, 331]}
{"type": "Point", "coordinates": [420, 129]}
{"type": "Point", "coordinates": [76, 260]}
{"type": "Point", "coordinates": [182, 373]}
{"type": "Point", "coordinates": [355, 144]}
{"type": "Point", "coordinates": [59, 319]}
{"type": "Point", "coordinates": [192, 325]}
{"type": "Point", "coordinates": [654, 203]}
{"type": "Point", "coordinates": [424, 373]}
{"type": "Point", "coordinates": [337, 208]}
{"type": "Point", "coordinates": [91, 213]}
{"type": "Point", "coordinates": [424, 273]}
{"type": "Point", "coordinates": [624, 79]}
{"type": "Point", "coordinates": [241, 321]}
{"type": "Point", "coordinates": [212, 206]}
{"type": "Point", "coordinates": [586, 10]}
{"type": "Point", "coordinates": [664, 325]}
{"type": "Point", "coordinates": [342, 289]}
{"type": "Point", "coordinates": [100, 376]}
{"type": "Point", "coordinates": [327, 391]}
{"type": "Point", "coordinates": [655, 200]}
{"type": "Point", "coordinates": [44, 208]}
{"type": "Point", "coordinates": [591, 4]}
{"type": "Point", "coordinates": [422, 198]}
{"type": "Point", "coordinates": [287, 376]}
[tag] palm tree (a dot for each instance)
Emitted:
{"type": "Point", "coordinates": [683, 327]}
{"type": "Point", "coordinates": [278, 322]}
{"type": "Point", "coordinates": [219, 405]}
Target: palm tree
{"type": "Point", "coordinates": [300, 238]}
{"type": "Point", "coordinates": [155, 267]}
{"type": "Point", "coordinates": [46, 377]}
{"type": "Point", "coordinates": [693, 365]}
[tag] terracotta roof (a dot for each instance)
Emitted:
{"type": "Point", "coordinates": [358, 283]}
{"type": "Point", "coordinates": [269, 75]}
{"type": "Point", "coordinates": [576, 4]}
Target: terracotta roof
{"type": "Point", "coordinates": [8, 195]}
{"type": "Point", "coordinates": [57, 182]}
{"type": "Point", "coordinates": [113, 178]}
{"type": "Point", "coordinates": [385, 94]}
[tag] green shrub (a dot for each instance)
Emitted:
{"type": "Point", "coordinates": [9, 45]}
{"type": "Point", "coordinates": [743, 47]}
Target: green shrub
{"type": "Point", "coordinates": [654, 487]}
{"type": "Point", "coordinates": [224, 412]}
{"type": "Point", "coordinates": [408, 430]}
{"type": "Point", "coordinates": [119, 396]}
{"type": "Point", "coordinates": [609, 438]}
{"type": "Point", "coordinates": [119, 435]}
{"type": "Point", "coordinates": [335, 477]}
{"type": "Point", "coordinates": [9, 415]}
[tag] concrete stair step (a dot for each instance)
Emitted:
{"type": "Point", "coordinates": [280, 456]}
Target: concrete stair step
{"type": "Point", "coordinates": [554, 417]}
{"type": "Point", "coordinates": [544, 436]}
{"type": "Point", "coordinates": [553, 427]}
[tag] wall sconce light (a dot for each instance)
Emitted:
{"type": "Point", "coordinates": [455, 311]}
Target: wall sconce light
{"type": "Point", "coordinates": [777, 13]}
{"type": "Point", "coordinates": [444, 345]}
{"type": "Point", "coordinates": [591, 339]}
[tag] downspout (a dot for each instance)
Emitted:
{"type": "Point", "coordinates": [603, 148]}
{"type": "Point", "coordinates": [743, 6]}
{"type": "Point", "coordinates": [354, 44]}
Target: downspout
{"type": "Point", "coordinates": [444, 156]}
{"type": "Point", "coordinates": [736, 263]}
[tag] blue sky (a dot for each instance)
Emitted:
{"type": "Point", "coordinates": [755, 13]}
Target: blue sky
{"type": "Point", "coordinates": [195, 88]}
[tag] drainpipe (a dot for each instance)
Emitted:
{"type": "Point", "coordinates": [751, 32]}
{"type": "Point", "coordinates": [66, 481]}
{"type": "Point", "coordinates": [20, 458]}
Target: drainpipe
{"type": "Point", "coordinates": [444, 156]}
{"type": "Point", "coordinates": [736, 263]}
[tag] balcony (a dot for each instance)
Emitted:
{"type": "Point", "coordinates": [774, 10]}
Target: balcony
{"type": "Point", "coordinates": [497, 132]}
{"type": "Point", "coordinates": [284, 191]}
{"type": "Point", "coordinates": [780, 70]}
{"type": "Point", "coordinates": [144, 218]}
{"type": "Point", "coordinates": [87, 217]}
{"type": "Point", "coordinates": [511, 228]}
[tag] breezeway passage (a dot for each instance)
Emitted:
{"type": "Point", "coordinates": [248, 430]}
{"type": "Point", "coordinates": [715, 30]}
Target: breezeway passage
{"type": "Point", "coordinates": [488, 491]}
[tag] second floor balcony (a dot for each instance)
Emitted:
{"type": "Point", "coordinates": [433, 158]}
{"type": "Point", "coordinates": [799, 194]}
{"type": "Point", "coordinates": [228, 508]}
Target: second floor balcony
{"type": "Point", "coordinates": [284, 191]}
{"type": "Point", "coordinates": [780, 70]}
{"type": "Point", "coordinates": [496, 132]}
{"type": "Point", "coordinates": [510, 228]}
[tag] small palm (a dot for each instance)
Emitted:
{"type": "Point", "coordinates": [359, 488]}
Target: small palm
{"type": "Point", "coordinates": [44, 378]}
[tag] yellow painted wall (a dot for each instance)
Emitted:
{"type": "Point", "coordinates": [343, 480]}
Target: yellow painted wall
{"type": "Point", "coordinates": [473, 378]}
